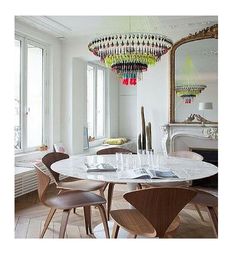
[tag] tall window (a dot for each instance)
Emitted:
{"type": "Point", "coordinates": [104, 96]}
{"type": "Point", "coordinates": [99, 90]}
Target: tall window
{"type": "Point", "coordinates": [95, 102]}
{"type": "Point", "coordinates": [29, 95]}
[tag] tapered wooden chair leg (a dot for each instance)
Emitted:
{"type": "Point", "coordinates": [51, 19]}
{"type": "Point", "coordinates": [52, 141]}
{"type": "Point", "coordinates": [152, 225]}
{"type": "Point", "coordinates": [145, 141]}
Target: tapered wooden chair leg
{"type": "Point", "coordinates": [115, 230]}
{"type": "Point", "coordinates": [64, 221]}
{"type": "Point", "coordinates": [199, 212]}
{"type": "Point", "coordinates": [47, 222]}
{"type": "Point", "coordinates": [87, 219]}
{"type": "Point", "coordinates": [214, 219]}
{"type": "Point", "coordinates": [104, 220]}
{"type": "Point", "coordinates": [104, 187]}
{"type": "Point", "coordinates": [101, 191]}
{"type": "Point", "coordinates": [109, 199]}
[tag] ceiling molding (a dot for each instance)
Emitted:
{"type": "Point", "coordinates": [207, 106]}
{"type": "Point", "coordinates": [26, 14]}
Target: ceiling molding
{"type": "Point", "coordinates": [93, 26]}
{"type": "Point", "coordinates": [46, 24]}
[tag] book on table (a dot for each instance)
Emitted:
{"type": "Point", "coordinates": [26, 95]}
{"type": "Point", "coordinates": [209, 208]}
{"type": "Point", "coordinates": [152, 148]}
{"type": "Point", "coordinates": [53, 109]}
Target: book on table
{"type": "Point", "coordinates": [100, 167]}
{"type": "Point", "coordinates": [144, 173]}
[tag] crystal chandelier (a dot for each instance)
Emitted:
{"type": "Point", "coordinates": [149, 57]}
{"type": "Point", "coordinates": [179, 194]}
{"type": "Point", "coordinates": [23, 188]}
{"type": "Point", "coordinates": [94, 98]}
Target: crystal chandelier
{"type": "Point", "coordinates": [130, 54]}
{"type": "Point", "coordinates": [189, 92]}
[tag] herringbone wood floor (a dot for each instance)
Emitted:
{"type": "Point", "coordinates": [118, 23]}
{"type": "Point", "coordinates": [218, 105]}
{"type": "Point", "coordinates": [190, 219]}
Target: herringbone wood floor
{"type": "Point", "coordinates": [30, 215]}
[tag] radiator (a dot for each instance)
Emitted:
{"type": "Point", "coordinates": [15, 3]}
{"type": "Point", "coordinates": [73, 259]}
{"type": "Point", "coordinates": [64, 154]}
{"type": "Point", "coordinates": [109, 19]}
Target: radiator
{"type": "Point", "coordinates": [26, 182]}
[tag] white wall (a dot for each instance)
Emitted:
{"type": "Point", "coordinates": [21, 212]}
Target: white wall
{"type": "Point", "coordinates": [113, 105]}
{"type": "Point", "coordinates": [75, 55]}
{"type": "Point", "coordinates": [153, 94]}
{"type": "Point", "coordinates": [128, 111]}
{"type": "Point", "coordinates": [54, 47]}
{"type": "Point", "coordinates": [78, 108]}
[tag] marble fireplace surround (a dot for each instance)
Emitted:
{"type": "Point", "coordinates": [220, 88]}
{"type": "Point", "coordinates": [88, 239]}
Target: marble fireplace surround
{"type": "Point", "coordinates": [178, 137]}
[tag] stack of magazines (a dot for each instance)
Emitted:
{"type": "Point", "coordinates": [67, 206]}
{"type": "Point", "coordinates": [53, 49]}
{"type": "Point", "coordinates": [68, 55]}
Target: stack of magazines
{"type": "Point", "coordinates": [143, 173]}
{"type": "Point", "coordinates": [100, 167]}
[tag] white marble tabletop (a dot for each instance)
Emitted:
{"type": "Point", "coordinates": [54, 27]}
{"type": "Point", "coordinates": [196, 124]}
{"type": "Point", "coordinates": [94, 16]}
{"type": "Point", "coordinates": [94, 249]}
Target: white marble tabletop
{"type": "Point", "coordinates": [185, 169]}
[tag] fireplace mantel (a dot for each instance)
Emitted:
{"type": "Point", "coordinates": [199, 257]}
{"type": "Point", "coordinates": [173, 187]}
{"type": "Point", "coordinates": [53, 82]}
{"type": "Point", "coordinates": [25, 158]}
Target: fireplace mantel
{"type": "Point", "coordinates": [186, 136]}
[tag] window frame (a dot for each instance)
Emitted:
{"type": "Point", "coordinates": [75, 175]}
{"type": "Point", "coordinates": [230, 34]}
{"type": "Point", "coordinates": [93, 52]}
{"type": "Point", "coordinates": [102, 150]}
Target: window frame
{"type": "Point", "coordinates": [95, 69]}
{"type": "Point", "coordinates": [25, 40]}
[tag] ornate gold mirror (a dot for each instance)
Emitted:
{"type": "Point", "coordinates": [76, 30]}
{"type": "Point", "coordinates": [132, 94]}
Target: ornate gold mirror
{"type": "Point", "coordinates": [194, 78]}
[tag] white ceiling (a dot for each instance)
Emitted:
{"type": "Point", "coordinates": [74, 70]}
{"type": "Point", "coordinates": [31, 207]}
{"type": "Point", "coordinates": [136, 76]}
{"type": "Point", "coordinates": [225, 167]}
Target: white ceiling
{"type": "Point", "coordinates": [175, 27]}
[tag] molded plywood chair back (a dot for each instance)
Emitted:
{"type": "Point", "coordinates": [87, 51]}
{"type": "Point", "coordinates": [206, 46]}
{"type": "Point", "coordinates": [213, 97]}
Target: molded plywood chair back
{"type": "Point", "coordinates": [159, 206]}
{"type": "Point", "coordinates": [43, 182]}
{"type": "Point", "coordinates": [113, 150]}
{"type": "Point", "coordinates": [81, 185]}
{"type": "Point", "coordinates": [51, 158]}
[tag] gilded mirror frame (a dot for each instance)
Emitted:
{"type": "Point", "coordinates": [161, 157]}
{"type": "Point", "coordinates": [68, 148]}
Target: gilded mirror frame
{"type": "Point", "coordinates": [206, 33]}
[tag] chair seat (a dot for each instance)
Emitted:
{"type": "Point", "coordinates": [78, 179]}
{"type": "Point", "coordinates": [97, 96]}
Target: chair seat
{"type": "Point", "coordinates": [134, 222]}
{"type": "Point", "coordinates": [74, 199]}
{"type": "Point", "coordinates": [81, 185]}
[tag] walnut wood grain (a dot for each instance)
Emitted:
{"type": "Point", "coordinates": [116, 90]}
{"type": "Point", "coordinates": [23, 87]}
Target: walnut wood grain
{"type": "Point", "coordinates": [113, 150]}
{"type": "Point", "coordinates": [66, 201]}
{"type": "Point", "coordinates": [155, 209]}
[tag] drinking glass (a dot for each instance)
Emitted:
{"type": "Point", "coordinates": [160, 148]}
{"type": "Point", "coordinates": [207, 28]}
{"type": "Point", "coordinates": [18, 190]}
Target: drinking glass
{"type": "Point", "coordinates": [119, 161]}
{"type": "Point", "coordinates": [129, 161]}
{"type": "Point", "coordinates": [150, 158]}
{"type": "Point", "coordinates": [158, 161]}
{"type": "Point", "coordinates": [143, 159]}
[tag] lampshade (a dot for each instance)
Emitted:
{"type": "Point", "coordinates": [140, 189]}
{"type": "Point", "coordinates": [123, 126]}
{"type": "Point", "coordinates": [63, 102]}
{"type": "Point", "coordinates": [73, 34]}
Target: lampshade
{"type": "Point", "coordinates": [205, 105]}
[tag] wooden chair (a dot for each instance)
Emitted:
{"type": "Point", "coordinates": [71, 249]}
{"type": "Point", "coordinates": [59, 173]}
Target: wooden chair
{"type": "Point", "coordinates": [155, 211]}
{"type": "Point", "coordinates": [79, 185]}
{"type": "Point", "coordinates": [76, 185]}
{"type": "Point", "coordinates": [113, 150]}
{"type": "Point", "coordinates": [65, 201]}
{"type": "Point", "coordinates": [194, 156]}
{"type": "Point", "coordinates": [109, 151]}
{"type": "Point", "coordinates": [187, 154]}
{"type": "Point", "coordinates": [210, 202]}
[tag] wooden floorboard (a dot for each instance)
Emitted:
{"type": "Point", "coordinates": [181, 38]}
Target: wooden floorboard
{"type": "Point", "coordinates": [30, 216]}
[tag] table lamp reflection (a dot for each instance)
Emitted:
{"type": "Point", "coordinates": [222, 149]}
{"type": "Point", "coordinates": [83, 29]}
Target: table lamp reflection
{"type": "Point", "coordinates": [203, 106]}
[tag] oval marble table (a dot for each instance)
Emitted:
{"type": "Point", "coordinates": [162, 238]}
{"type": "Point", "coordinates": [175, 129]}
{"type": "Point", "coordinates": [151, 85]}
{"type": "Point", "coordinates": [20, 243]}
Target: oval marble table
{"type": "Point", "coordinates": [185, 169]}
